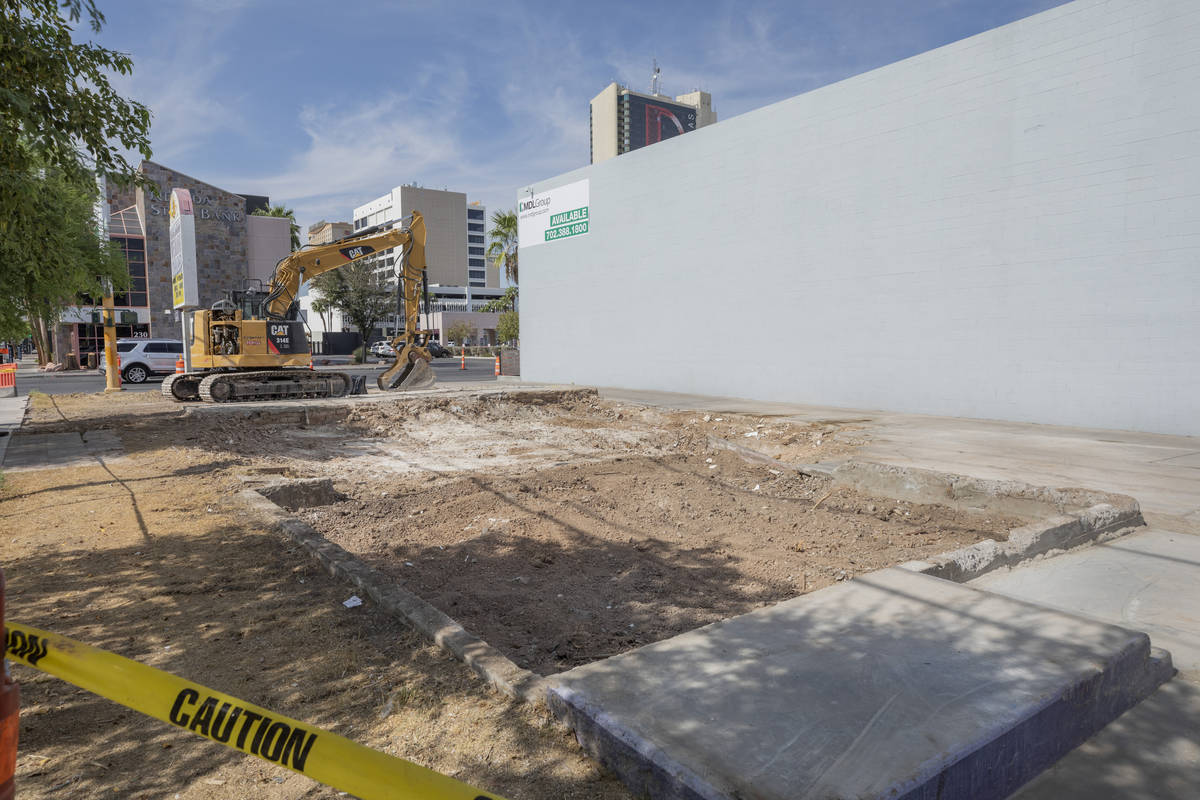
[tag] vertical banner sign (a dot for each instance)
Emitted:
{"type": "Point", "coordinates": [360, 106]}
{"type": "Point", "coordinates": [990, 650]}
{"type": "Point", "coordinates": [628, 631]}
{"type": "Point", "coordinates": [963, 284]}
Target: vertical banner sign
{"type": "Point", "coordinates": [184, 290]}
{"type": "Point", "coordinates": [558, 213]}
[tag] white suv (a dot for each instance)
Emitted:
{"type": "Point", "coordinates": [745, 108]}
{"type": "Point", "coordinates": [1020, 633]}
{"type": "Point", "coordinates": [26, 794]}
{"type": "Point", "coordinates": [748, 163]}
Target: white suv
{"type": "Point", "coordinates": [138, 359]}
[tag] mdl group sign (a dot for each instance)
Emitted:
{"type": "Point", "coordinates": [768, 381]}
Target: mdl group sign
{"type": "Point", "coordinates": [554, 214]}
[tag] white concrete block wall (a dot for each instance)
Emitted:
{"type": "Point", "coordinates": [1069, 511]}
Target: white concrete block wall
{"type": "Point", "coordinates": [1007, 227]}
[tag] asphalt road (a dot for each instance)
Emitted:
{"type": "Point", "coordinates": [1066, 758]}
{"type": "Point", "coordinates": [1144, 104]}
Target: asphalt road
{"type": "Point", "coordinates": [447, 371]}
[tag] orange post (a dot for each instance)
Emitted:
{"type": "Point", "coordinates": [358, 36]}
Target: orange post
{"type": "Point", "coordinates": [463, 365]}
{"type": "Point", "coordinates": [10, 706]}
{"type": "Point", "coordinates": [497, 366]}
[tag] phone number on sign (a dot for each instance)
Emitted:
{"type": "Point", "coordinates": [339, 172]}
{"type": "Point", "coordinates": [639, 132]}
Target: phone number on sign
{"type": "Point", "coordinates": [566, 230]}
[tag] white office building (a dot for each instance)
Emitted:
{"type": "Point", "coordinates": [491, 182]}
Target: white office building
{"type": "Point", "coordinates": [461, 279]}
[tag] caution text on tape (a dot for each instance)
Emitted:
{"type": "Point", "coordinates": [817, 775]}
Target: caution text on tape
{"type": "Point", "coordinates": [323, 756]}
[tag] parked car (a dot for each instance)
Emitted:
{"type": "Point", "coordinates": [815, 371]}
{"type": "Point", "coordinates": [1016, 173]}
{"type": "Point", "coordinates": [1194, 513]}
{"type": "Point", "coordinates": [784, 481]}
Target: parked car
{"type": "Point", "coordinates": [382, 349]}
{"type": "Point", "coordinates": [138, 359]}
{"type": "Point", "coordinates": [436, 350]}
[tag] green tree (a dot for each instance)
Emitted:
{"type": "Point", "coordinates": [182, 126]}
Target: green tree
{"type": "Point", "coordinates": [57, 106]}
{"type": "Point", "coordinates": [502, 247]}
{"type": "Point", "coordinates": [72, 259]}
{"type": "Point", "coordinates": [506, 303]}
{"type": "Point", "coordinates": [61, 123]}
{"type": "Point", "coordinates": [461, 332]}
{"type": "Point", "coordinates": [360, 293]}
{"type": "Point", "coordinates": [287, 213]}
{"type": "Point", "coordinates": [322, 306]}
{"type": "Point", "coordinates": [508, 327]}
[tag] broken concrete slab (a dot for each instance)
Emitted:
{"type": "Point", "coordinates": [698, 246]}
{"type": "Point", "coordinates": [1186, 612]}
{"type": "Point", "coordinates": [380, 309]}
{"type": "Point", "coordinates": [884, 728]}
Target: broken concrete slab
{"type": "Point", "coordinates": [895, 685]}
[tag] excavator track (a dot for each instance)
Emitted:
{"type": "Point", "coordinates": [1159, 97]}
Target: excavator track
{"type": "Point", "coordinates": [279, 384]}
{"type": "Point", "coordinates": [182, 387]}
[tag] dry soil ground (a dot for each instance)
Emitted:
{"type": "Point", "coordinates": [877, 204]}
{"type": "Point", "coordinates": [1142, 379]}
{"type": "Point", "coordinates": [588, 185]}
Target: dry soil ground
{"type": "Point", "coordinates": [561, 529]}
{"type": "Point", "coordinates": [144, 555]}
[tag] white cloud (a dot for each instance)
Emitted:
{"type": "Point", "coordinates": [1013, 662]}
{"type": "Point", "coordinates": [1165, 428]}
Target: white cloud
{"type": "Point", "coordinates": [177, 75]}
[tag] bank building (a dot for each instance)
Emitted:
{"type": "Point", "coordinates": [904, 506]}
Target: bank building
{"type": "Point", "coordinates": [233, 248]}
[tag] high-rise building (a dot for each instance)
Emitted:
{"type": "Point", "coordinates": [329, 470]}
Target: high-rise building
{"type": "Point", "coordinates": [328, 232]}
{"type": "Point", "coordinates": [454, 239]}
{"type": "Point", "coordinates": [477, 266]}
{"type": "Point", "coordinates": [624, 120]}
{"type": "Point", "coordinates": [461, 279]}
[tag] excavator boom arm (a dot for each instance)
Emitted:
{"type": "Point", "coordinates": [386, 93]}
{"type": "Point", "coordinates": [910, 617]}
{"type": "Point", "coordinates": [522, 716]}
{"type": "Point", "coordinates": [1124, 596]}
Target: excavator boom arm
{"type": "Point", "coordinates": [304, 265]}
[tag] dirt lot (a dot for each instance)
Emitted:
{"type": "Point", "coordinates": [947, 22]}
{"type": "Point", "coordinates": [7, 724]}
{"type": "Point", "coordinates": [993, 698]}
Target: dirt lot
{"type": "Point", "coordinates": [560, 531]}
{"type": "Point", "coordinates": [645, 531]}
{"type": "Point", "coordinates": [144, 555]}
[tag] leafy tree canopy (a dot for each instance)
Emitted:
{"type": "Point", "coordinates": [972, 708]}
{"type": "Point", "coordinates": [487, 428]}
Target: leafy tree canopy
{"type": "Point", "coordinates": [58, 257]}
{"type": "Point", "coordinates": [506, 303]}
{"type": "Point", "coordinates": [359, 293]}
{"type": "Point", "coordinates": [508, 327]}
{"type": "Point", "coordinates": [61, 124]}
{"type": "Point", "coordinates": [57, 106]}
{"type": "Point", "coordinates": [461, 332]}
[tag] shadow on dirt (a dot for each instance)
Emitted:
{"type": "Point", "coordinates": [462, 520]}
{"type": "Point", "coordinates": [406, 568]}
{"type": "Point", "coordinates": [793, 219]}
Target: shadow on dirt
{"type": "Point", "coordinates": [245, 613]}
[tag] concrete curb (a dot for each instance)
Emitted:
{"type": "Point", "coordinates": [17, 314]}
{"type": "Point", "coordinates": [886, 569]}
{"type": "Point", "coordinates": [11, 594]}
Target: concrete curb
{"type": "Point", "coordinates": [1067, 518]}
{"type": "Point", "coordinates": [488, 662]}
{"type": "Point", "coordinates": [646, 769]}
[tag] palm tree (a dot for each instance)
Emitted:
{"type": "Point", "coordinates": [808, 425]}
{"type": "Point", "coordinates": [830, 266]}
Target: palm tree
{"type": "Point", "coordinates": [503, 246]}
{"type": "Point", "coordinates": [282, 211]}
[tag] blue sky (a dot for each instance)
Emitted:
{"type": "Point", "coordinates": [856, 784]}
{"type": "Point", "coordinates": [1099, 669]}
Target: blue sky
{"type": "Point", "coordinates": [325, 106]}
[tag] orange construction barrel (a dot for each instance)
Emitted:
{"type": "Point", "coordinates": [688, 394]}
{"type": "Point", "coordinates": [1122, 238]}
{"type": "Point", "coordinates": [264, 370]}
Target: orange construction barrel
{"type": "Point", "coordinates": [9, 709]}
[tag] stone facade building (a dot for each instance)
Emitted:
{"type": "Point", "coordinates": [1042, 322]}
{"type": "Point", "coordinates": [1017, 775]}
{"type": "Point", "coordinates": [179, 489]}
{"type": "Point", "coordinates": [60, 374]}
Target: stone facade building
{"type": "Point", "coordinates": [226, 233]}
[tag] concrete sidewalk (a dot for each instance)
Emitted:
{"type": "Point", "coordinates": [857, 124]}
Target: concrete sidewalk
{"type": "Point", "coordinates": [12, 414]}
{"type": "Point", "coordinates": [1148, 581]}
{"type": "Point", "coordinates": [1162, 472]}
{"type": "Point", "coordinates": [892, 685]}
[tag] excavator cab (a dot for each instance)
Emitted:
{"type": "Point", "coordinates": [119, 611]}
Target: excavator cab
{"type": "Point", "coordinates": [250, 299]}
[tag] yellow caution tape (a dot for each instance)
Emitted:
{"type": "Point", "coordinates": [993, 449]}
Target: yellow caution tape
{"type": "Point", "coordinates": [247, 728]}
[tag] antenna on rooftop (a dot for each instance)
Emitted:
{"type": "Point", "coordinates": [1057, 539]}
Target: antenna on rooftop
{"type": "Point", "coordinates": [655, 79]}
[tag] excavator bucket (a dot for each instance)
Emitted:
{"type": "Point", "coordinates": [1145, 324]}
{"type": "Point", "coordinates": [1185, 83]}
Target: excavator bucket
{"type": "Point", "coordinates": [410, 371]}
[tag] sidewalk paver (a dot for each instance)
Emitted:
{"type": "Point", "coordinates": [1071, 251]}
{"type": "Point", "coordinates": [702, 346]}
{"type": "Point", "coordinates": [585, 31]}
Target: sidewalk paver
{"type": "Point", "coordinates": [1150, 580]}
{"type": "Point", "coordinates": [12, 413]}
{"type": "Point", "coordinates": [57, 450]}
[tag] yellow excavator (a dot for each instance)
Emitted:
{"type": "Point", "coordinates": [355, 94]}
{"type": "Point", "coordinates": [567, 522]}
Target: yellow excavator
{"type": "Point", "coordinates": [252, 346]}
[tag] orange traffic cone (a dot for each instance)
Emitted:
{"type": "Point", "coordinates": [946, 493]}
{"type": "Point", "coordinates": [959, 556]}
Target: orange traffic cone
{"type": "Point", "coordinates": [497, 366]}
{"type": "Point", "coordinates": [463, 365]}
{"type": "Point", "coordinates": [179, 365]}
